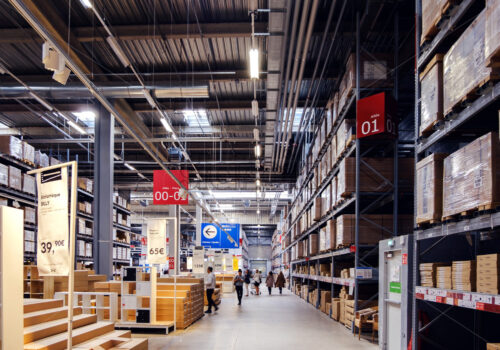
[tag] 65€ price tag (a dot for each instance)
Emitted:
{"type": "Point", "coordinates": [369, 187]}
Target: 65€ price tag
{"type": "Point", "coordinates": [157, 251]}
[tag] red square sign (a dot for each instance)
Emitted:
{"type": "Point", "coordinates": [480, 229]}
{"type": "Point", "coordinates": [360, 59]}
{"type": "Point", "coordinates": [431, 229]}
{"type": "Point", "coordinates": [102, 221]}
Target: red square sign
{"type": "Point", "coordinates": [375, 115]}
{"type": "Point", "coordinates": [166, 190]}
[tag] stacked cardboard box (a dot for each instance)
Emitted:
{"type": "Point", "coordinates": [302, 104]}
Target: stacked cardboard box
{"type": "Point", "coordinates": [464, 275]}
{"type": "Point", "coordinates": [488, 276]}
{"type": "Point", "coordinates": [428, 274]}
{"type": "Point", "coordinates": [493, 346]}
{"type": "Point", "coordinates": [345, 135]}
{"type": "Point", "coordinates": [471, 176]}
{"type": "Point", "coordinates": [430, 188]}
{"type": "Point", "coordinates": [344, 298]}
{"type": "Point", "coordinates": [368, 232]}
{"type": "Point", "coordinates": [443, 277]}
{"type": "Point", "coordinates": [369, 182]}
{"type": "Point", "coordinates": [313, 244]}
{"type": "Point", "coordinates": [325, 269]}
{"type": "Point", "coordinates": [335, 309]}
{"type": "Point", "coordinates": [431, 102]}
{"type": "Point", "coordinates": [325, 298]}
{"type": "Point", "coordinates": [11, 146]}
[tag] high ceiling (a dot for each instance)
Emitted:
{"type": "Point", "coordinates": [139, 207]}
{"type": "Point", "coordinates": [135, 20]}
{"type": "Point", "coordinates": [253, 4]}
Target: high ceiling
{"type": "Point", "coordinates": [195, 45]}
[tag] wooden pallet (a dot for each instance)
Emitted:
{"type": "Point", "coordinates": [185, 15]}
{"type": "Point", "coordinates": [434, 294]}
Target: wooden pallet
{"type": "Point", "coordinates": [431, 127]}
{"type": "Point", "coordinates": [28, 162]}
{"type": "Point", "coordinates": [427, 223]}
{"type": "Point", "coordinates": [472, 95]}
{"type": "Point", "coordinates": [435, 27]}
{"type": "Point", "coordinates": [494, 60]}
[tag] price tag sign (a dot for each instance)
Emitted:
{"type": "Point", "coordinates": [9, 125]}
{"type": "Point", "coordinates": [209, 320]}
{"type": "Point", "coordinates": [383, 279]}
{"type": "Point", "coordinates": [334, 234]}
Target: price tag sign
{"type": "Point", "coordinates": [157, 247]}
{"type": "Point", "coordinates": [199, 260]}
{"type": "Point", "coordinates": [53, 226]}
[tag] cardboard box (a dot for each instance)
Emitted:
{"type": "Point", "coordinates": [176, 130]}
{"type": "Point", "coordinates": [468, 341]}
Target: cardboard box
{"type": "Point", "coordinates": [41, 159]}
{"type": "Point", "coordinates": [492, 31]}
{"type": "Point", "coordinates": [29, 184]}
{"type": "Point", "coordinates": [28, 152]}
{"type": "Point", "coordinates": [431, 14]}
{"type": "Point", "coordinates": [313, 244]}
{"type": "Point", "coordinates": [29, 215]}
{"type": "Point", "coordinates": [430, 188]}
{"type": "Point", "coordinates": [346, 133]}
{"type": "Point", "coordinates": [471, 176]}
{"type": "Point", "coordinates": [4, 175]}
{"type": "Point", "coordinates": [336, 309]}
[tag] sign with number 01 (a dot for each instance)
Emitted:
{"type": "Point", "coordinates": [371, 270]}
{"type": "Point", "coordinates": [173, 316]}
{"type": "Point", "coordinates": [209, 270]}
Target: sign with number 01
{"type": "Point", "coordinates": [376, 115]}
{"type": "Point", "coordinates": [53, 228]}
{"type": "Point", "coordinates": [157, 243]}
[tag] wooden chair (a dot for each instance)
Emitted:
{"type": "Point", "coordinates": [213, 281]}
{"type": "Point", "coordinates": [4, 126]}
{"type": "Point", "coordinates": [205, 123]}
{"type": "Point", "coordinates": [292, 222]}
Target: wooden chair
{"type": "Point", "coordinates": [366, 318]}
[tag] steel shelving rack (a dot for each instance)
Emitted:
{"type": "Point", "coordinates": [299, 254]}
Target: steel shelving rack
{"type": "Point", "coordinates": [441, 318]}
{"type": "Point", "coordinates": [359, 203]}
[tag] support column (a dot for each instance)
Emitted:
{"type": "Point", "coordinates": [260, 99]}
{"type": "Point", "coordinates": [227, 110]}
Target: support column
{"type": "Point", "coordinates": [199, 218]}
{"type": "Point", "coordinates": [103, 193]}
{"type": "Point", "coordinates": [174, 240]}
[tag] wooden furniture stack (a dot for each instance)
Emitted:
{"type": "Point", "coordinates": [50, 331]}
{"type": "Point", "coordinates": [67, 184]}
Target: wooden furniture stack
{"type": "Point", "coordinates": [45, 328]}
{"type": "Point", "coordinates": [189, 293]}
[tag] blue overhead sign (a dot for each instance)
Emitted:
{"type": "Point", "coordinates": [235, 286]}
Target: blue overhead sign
{"type": "Point", "coordinates": [213, 237]}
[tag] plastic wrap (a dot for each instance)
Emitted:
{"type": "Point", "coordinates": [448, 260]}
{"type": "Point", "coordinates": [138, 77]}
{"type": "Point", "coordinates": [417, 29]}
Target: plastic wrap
{"type": "Point", "coordinates": [28, 152]}
{"type": "Point", "coordinates": [11, 146]}
{"type": "Point", "coordinates": [430, 188]}
{"type": "Point", "coordinates": [431, 100]}
{"type": "Point", "coordinates": [325, 200]}
{"type": "Point", "coordinates": [4, 175]}
{"type": "Point", "coordinates": [471, 176]}
{"type": "Point", "coordinates": [29, 215]}
{"type": "Point", "coordinates": [431, 14]}
{"type": "Point", "coordinates": [54, 161]}
{"type": "Point", "coordinates": [345, 134]}
{"type": "Point", "coordinates": [464, 65]}
{"type": "Point", "coordinates": [492, 29]}
{"type": "Point", "coordinates": [29, 184]}
{"type": "Point", "coordinates": [15, 178]}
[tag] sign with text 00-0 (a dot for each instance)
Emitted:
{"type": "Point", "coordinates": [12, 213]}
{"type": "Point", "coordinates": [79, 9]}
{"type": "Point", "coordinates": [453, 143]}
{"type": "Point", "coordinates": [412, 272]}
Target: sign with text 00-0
{"type": "Point", "coordinates": [376, 115]}
{"type": "Point", "coordinates": [213, 237]}
{"type": "Point", "coordinates": [166, 191]}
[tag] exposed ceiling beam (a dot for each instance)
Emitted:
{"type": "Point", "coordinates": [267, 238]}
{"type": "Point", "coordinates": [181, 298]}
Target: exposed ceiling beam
{"type": "Point", "coordinates": [143, 32]}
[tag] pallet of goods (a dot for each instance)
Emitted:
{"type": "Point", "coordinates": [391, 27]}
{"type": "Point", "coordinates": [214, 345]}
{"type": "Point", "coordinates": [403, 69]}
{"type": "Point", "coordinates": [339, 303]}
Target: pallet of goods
{"type": "Point", "coordinates": [465, 68]}
{"type": "Point", "coordinates": [471, 176]}
{"type": "Point", "coordinates": [430, 189]}
{"type": "Point", "coordinates": [492, 33]}
{"type": "Point", "coordinates": [431, 102]}
{"type": "Point", "coordinates": [433, 11]}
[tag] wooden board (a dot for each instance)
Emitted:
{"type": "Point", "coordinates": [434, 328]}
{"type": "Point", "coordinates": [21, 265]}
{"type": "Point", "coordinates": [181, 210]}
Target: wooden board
{"type": "Point", "coordinates": [47, 329]}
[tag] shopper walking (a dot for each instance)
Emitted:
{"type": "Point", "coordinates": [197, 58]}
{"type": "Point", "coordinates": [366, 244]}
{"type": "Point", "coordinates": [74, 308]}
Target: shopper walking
{"type": "Point", "coordinates": [248, 276]}
{"type": "Point", "coordinates": [257, 280]}
{"type": "Point", "coordinates": [270, 282]}
{"type": "Point", "coordinates": [210, 285]}
{"type": "Point", "coordinates": [238, 284]}
{"type": "Point", "coordinates": [280, 281]}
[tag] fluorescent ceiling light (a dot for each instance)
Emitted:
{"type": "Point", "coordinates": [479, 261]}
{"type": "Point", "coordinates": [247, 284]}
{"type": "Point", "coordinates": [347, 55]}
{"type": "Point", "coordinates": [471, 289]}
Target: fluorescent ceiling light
{"type": "Point", "coordinates": [258, 151]}
{"type": "Point", "coordinates": [258, 211]}
{"type": "Point", "coordinates": [166, 125]}
{"type": "Point", "coordinates": [118, 51]}
{"type": "Point", "coordinates": [254, 63]}
{"type": "Point", "coordinates": [86, 3]}
{"type": "Point", "coordinates": [77, 127]}
{"type": "Point", "coordinates": [257, 183]}
{"type": "Point", "coordinates": [196, 117]}
{"type": "Point", "coordinates": [3, 126]}
{"type": "Point", "coordinates": [183, 92]}
{"type": "Point", "coordinates": [130, 167]}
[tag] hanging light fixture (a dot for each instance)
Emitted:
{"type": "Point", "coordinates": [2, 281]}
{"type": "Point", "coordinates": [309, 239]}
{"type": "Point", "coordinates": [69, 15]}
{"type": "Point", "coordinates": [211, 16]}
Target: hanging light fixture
{"type": "Point", "coordinates": [254, 63]}
{"type": "Point", "coordinates": [258, 151]}
{"type": "Point", "coordinates": [257, 183]}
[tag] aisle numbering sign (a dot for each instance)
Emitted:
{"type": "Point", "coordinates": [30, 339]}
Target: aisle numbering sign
{"type": "Point", "coordinates": [376, 114]}
{"type": "Point", "coordinates": [166, 191]}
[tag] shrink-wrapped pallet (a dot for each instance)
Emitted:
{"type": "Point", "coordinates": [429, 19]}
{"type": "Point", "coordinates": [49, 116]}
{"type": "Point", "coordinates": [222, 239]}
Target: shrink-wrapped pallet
{"type": "Point", "coordinates": [374, 72]}
{"type": "Point", "coordinates": [431, 101]}
{"type": "Point", "coordinates": [430, 188]}
{"type": "Point", "coordinates": [492, 31]}
{"type": "Point", "coordinates": [376, 227]}
{"type": "Point", "coordinates": [464, 65]}
{"type": "Point", "coordinates": [15, 178]}
{"type": "Point", "coordinates": [29, 184]}
{"type": "Point", "coordinates": [41, 159]}
{"type": "Point", "coordinates": [11, 146]}
{"type": "Point", "coordinates": [345, 134]}
{"type": "Point", "coordinates": [28, 152]}
{"type": "Point", "coordinates": [431, 14]}
{"type": "Point", "coordinates": [4, 175]}
{"type": "Point", "coordinates": [369, 181]}
{"type": "Point", "coordinates": [471, 176]}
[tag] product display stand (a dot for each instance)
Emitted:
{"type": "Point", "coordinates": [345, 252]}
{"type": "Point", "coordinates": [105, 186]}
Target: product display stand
{"type": "Point", "coordinates": [72, 222]}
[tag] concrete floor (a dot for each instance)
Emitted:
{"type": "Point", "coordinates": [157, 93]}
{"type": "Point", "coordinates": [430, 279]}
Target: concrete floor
{"type": "Point", "coordinates": [263, 322]}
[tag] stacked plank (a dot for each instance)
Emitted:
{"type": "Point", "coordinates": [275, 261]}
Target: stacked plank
{"type": "Point", "coordinates": [46, 325]}
{"type": "Point", "coordinates": [189, 295]}
{"type": "Point", "coordinates": [463, 275]}
{"type": "Point", "coordinates": [443, 277]}
{"type": "Point", "coordinates": [428, 274]}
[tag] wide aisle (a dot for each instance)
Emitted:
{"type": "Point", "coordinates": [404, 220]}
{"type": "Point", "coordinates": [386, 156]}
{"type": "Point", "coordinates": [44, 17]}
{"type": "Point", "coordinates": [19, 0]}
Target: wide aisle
{"type": "Point", "coordinates": [263, 322]}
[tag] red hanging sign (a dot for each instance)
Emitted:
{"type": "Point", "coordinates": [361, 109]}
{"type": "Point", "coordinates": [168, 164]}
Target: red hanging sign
{"type": "Point", "coordinates": [375, 115]}
{"type": "Point", "coordinates": [166, 191]}
{"type": "Point", "coordinates": [171, 263]}
{"type": "Point", "coordinates": [405, 259]}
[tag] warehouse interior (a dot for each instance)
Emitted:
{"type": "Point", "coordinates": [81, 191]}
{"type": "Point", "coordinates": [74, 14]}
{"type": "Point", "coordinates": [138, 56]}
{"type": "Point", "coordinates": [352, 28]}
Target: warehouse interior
{"type": "Point", "coordinates": [343, 153]}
